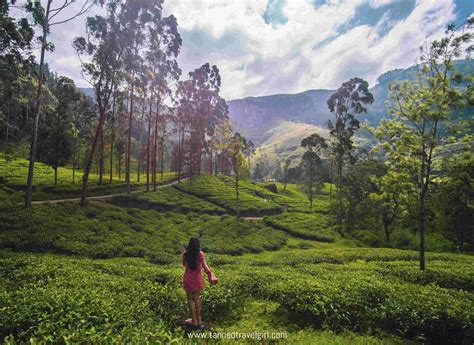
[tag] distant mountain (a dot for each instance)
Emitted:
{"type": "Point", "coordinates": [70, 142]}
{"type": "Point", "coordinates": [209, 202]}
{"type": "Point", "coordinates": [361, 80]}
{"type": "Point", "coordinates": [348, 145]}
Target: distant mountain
{"type": "Point", "coordinates": [254, 116]}
{"type": "Point", "coordinates": [88, 91]}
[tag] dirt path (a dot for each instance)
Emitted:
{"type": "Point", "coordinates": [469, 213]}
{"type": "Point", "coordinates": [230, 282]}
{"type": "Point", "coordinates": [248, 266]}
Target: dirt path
{"type": "Point", "coordinates": [100, 197]}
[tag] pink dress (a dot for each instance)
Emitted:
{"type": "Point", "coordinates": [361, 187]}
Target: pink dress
{"type": "Point", "coordinates": [192, 279]}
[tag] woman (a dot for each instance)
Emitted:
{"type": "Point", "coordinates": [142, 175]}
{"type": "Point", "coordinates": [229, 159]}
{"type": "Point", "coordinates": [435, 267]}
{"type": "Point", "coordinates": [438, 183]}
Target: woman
{"type": "Point", "coordinates": [193, 260]}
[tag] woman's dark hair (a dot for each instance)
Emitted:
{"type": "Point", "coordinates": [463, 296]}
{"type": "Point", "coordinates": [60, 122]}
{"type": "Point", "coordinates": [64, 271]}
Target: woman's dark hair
{"type": "Point", "coordinates": [192, 253]}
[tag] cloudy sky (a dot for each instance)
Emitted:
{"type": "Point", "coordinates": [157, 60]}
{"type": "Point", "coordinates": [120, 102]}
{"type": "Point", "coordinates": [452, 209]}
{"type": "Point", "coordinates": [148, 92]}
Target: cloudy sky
{"type": "Point", "coordinates": [264, 47]}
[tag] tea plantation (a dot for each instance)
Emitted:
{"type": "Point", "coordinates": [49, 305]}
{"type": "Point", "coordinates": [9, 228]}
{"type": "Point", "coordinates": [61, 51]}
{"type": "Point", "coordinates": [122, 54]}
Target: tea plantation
{"type": "Point", "coordinates": [13, 174]}
{"type": "Point", "coordinates": [110, 272]}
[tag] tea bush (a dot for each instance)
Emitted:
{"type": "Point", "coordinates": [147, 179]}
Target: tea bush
{"type": "Point", "coordinates": [125, 283]}
{"type": "Point", "coordinates": [50, 298]}
{"type": "Point", "coordinates": [168, 199]}
{"type": "Point", "coordinates": [104, 231]}
{"type": "Point", "coordinates": [363, 290]}
{"type": "Point", "coordinates": [294, 199]}
{"type": "Point", "coordinates": [71, 302]}
{"type": "Point", "coordinates": [13, 172]}
{"type": "Point", "coordinates": [310, 226]}
{"type": "Point", "coordinates": [361, 295]}
{"type": "Point", "coordinates": [220, 191]}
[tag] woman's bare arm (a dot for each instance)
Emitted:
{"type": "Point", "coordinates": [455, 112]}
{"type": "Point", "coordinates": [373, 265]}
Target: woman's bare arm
{"type": "Point", "coordinates": [204, 264]}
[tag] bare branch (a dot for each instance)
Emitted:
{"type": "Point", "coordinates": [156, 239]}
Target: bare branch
{"type": "Point", "coordinates": [84, 9]}
{"type": "Point", "coordinates": [63, 6]}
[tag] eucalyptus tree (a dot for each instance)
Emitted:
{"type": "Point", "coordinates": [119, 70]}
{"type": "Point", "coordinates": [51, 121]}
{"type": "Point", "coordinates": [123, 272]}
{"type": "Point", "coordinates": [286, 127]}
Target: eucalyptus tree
{"type": "Point", "coordinates": [104, 48]}
{"type": "Point", "coordinates": [238, 147]}
{"type": "Point", "coordinates": [219, 117]}
{"type": "Point", "coordinates": [135, 16]}
{"type": "Point", "coordinates": [142, 91]}
{"type": "Point", "coordinates": [116, 100]}
{"type": "Point", "coordinates": [349, 100]}
{"type": "Point", "coordinates": [74, 132]}
{"type": "Point", "coordinates": [46, 18]}
{"type": "Point", "coordinates": [311, 162]}
{"type": "Point", "coordinates": [148, 30]}
{"type": "Point", "coordinates": [207, 109]}
{"type": "Point", "coordinates": [162, 70]}
{"type": "Point", "coordinates": [420, 110]}
{"type": "Point", "coordinates": [184, 111]}
{"type": "Point", "coordinates": [223, 134]}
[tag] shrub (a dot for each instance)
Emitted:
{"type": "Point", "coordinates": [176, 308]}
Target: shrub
{"type": "Point", "coordinates": [168, 199]}
{"type": "Point", "coordinates": [303, 225]}
{"type": "Point", "coordinates": [104, 231]}
{"type": "Point", "coordinates": [369, 237]}
{"type": "Point", "coordinates": [220, 191]}
{"type": "Point", "coordinates": [433, 243]}
{"type": "Point", "coordinates": [71, 302]}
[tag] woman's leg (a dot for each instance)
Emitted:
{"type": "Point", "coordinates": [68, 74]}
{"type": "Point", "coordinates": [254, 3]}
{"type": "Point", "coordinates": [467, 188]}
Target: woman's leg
{"type": "Point", "coordinates": [191, 306]}
{"type": "Point", "coordinates": [197, 307]}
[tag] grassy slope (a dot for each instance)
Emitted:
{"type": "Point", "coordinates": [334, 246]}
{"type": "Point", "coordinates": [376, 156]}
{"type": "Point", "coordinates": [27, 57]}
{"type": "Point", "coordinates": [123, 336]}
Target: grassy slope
{"type": "Point", "coordinates": [283, 141]}
{"type": "Point", "coordinates": [318, 292]}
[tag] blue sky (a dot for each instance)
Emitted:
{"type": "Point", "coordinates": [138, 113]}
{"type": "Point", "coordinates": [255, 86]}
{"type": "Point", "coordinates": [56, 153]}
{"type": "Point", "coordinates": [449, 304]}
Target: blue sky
{"type": "Point", "coordinates": [264, 47]}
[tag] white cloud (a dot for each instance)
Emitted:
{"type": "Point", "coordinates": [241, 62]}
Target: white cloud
{"type": "Point", "coordinates": [306, 52]}
{"type": "Point", "coordinates": [283, 56]}
{"type": "Point", "coordinates": [380, 3]}
{"type": "Point", "coordinates": [362, 52]}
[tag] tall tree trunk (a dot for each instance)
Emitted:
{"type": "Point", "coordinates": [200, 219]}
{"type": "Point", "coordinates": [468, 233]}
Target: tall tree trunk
{"type": "Point", "coordinates": [8, 121]}
{"type": "Point", "coordinates": [148, 144]}
{"type": "Point", "coordinates": [129, 142]}
{"type": "Point", "coordinates": [162, 154]}
{"type": "Point", "coordinates": [425, 174]}
{"type": "Point", "coordinates": [36, 115]}
{"type": "Point", "coordinates": [210, 162]}
{"type": "Point", "coordinates": [139, 147]}
{"type": "Point", "coordinates": [339, 191]}
{"type": "Point", "coordinates": [101, 156]}
{"type": "Point", "coordinates": [350, 215]}
{"type": "Point", "coordinates": [155, 150]}
{"type": "Point", "coordinates": [199, 154]}
{"type": "Point", "coordinates": [180, 152]}
{"type": "Point", "coordinates": [421, 221]}
{"type": "Point", "coordinates": [330, 176]}
{"type": "Point", "coordinates": [119, 167]}
{"type": "Point", "coordinates": [178, 156]}
{"type": "Point", "coordinates": [112, 139]}
{"type": "Point", "coordinates": [85, 177]}
{"type": "Point", "coordinates": [56, 160]}
{"type": "Point", "coordinates": [74, 143]}
{"type": "Point", "coordinates": [190, 166]}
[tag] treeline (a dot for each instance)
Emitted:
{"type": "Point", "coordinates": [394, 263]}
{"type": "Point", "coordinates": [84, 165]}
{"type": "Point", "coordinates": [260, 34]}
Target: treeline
{"type": "Point", "coordinates": [144, 116]}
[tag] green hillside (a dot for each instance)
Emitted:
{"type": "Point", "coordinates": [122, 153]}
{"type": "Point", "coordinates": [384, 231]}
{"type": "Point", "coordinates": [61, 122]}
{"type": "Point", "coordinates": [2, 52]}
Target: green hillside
{"type": "Point", "coordinates": [283, 142]}
{"type": "Point", "coordinates": [111, 272]}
